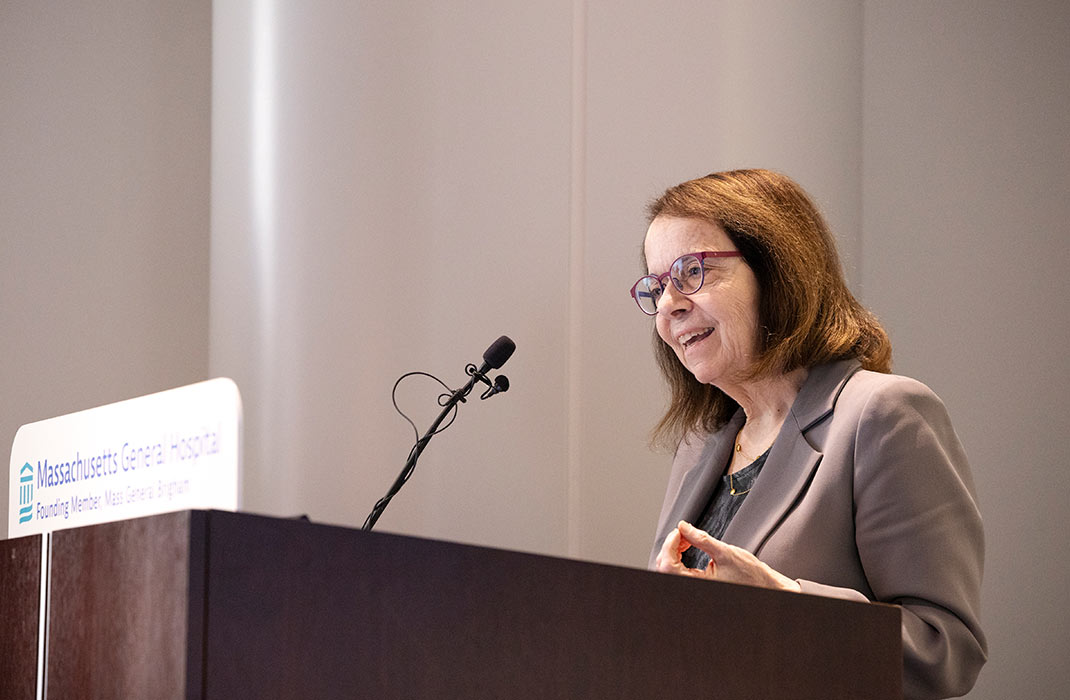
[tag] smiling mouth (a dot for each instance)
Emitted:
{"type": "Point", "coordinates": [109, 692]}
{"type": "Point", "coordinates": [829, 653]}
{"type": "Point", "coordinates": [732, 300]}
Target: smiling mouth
{"type": "Point", "coordinates": [689, 339]}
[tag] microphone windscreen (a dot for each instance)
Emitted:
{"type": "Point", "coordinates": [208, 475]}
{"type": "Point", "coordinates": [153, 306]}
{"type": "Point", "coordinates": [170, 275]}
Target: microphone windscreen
{"type": "Point", "coordinates": [498, 352]}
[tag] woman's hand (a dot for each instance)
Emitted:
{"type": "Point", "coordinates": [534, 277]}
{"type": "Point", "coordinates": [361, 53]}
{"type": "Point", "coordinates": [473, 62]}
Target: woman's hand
{"type": "Point", "coordinates": [727, 562]}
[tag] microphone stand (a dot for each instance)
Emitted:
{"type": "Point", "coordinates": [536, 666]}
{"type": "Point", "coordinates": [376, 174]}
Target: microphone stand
{"type": "Point", "coordinates": [406, 471]}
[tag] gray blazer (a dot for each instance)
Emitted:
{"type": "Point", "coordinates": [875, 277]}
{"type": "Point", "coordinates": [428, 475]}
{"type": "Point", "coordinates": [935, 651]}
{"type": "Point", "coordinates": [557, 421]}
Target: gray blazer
{"type": "Point", "coordinates": [866, 495]}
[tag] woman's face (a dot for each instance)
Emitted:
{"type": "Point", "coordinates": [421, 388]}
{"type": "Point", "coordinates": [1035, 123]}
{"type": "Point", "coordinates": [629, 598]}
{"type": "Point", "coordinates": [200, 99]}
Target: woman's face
{"type": "Point", "coordinates": [714, 330]}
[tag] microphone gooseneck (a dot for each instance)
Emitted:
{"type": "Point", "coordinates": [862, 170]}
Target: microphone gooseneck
{"type": "Point", "coordinates": [495, 356]}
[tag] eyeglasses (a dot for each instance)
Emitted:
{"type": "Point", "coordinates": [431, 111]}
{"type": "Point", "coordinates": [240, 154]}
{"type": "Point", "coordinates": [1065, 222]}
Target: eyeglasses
{"type": "Point", "coordinates": [687, 275]}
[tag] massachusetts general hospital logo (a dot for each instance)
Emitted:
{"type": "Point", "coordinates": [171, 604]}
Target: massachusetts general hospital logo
{"type": "Point", "coordinates": [25, 493]}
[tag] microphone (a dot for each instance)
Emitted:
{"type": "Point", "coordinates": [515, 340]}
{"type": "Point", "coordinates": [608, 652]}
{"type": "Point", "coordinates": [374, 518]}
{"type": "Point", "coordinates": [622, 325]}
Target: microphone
{"type": "Point", "coordinates": [495, 356]}
{"type": "Point", "coordinates": [498, 353]}
{"type": "Point", "coordinates": [500, 386]}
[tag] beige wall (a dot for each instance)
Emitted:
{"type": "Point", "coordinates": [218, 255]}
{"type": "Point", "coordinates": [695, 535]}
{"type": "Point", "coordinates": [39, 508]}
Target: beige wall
{"type": "Point", "coordinates": [395, 185]}
{"type": "Point", "coordinates": [413, 164]}
{"type": "Point", "coordinates": [104, 221]}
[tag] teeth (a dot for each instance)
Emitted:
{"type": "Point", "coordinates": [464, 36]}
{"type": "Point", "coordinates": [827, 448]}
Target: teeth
{"type": "Point", "coordinates": [688, 337]}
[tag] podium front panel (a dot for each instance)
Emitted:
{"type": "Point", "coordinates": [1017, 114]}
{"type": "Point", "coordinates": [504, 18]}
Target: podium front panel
{"type": "Point", "coordinates": [302, 610]}
{"type": "Point", "coordinates": [20, 593]}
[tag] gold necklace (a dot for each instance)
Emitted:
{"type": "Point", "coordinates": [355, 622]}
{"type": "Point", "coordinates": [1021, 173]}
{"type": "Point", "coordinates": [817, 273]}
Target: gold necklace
{"type": "Point", "coordinates": [732, 487]}
{"type": "Point", "coordinates": [731, 480]}
{"type": "Point", "coordinates": [739, 449]}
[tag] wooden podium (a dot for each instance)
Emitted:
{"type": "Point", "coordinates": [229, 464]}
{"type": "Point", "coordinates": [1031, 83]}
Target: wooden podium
{"type": "Point", "coordinates": [213, 605]}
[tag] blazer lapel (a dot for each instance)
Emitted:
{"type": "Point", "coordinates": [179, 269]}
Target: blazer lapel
{"type": "Point", "coordinates": [784, 478]}
{"type": "Point", "coordinates": [792, 461]}
{"type": "Point", "coordinates": [698, 484]}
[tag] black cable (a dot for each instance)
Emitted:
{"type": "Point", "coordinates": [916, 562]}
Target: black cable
{"type": "Point", "coordinates": [442, 398]}
{"type": "Point", "coordinates": [450, 403]}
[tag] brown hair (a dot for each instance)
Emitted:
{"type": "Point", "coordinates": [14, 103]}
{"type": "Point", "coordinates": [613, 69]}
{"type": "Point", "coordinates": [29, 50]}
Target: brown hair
{"type": "Point", "coordinates": [806, 313]}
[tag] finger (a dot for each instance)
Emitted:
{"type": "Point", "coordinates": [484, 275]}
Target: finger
{"type": "Point", "coordinates": [669, 556]}
{"type": "Point", "coordinates": [678, 541]}
{"type": "Point", "coordinates": [700, 538]}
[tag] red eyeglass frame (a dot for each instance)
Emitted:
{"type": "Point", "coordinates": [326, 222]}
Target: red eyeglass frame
{"type": "Point", "coordinates": [661, 278]}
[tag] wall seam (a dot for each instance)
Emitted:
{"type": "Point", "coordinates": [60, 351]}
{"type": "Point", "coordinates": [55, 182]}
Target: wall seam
{"type": "Point", "coordinates": [577, 216]}
{"type": "Point", "coordinates": [860, 234]}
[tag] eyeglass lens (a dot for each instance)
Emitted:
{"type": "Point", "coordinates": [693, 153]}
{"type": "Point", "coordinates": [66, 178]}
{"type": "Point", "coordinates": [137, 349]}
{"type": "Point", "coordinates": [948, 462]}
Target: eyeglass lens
{"type": "Point", "coordinates": [686, 274]}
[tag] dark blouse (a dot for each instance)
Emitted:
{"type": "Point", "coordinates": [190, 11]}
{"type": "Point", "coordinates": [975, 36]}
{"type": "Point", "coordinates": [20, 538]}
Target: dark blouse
{"type": "Point", "coordinates": [722, 508]}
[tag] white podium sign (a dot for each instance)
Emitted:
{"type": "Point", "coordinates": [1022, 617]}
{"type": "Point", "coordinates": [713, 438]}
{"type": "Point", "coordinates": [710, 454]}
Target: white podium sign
{"type": "Point", "coordinates": [176, 450]}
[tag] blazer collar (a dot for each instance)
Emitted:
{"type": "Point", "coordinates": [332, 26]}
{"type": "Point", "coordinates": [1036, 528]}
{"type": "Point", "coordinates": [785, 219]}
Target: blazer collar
{"type": "Point", "coordinates": [819, 392]}
{"type": "Point", "coordinates": [792, 461]}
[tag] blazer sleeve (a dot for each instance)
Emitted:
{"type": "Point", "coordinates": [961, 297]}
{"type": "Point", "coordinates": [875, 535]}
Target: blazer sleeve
{"type": "Point", "coordinates": [919, 536]}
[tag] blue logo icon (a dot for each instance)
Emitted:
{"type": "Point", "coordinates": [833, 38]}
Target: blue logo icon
{"type": "Point", "coordinates": [25, 493]}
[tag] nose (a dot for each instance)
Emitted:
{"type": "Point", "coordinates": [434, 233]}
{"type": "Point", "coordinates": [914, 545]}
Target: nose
{"type": "Point", "coordinates": [672, 302]}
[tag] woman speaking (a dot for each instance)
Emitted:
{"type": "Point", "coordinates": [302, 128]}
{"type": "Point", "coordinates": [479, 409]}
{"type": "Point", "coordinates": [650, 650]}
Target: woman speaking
{"type": "Point", "coordinates": [801, 464]}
